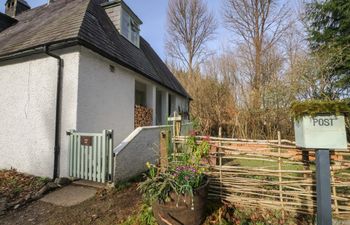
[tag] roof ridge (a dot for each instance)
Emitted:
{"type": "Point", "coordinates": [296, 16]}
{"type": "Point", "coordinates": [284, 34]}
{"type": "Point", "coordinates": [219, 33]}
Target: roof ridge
{"type": "Point", "coordinates": [84, 17]}
{"type": "Point", "coordinates": [86, 22]}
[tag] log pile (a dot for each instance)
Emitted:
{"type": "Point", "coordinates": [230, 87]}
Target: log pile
{"type": "Point", "coordinates": [143, 116]}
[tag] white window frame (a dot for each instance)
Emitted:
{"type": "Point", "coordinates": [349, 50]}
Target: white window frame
{"type": "Point", "coordinates": [133, 27]}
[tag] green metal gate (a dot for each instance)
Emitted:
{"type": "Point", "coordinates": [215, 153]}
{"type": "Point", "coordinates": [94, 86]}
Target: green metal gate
{"type": "Point", "coordinates": [91, 155]}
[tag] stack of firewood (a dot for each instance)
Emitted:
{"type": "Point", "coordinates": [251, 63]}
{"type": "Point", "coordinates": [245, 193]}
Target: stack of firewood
{"type": "Point", "coordinates": [143, 116]}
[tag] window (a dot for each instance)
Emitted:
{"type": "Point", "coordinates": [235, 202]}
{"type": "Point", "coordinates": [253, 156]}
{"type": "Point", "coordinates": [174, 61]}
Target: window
{"type": "Point", "coordinates": [140, 98]}
{"type": "Point", "coordinates": [130, 29]}
{"type": "Point", "coordinates": [125, 24]}
{"type": "Point", "coordinates": [171, 106]}
{"type": "Point", "coordinates": [159, 107]}
{"type": "Point", "coordinates": [140, 94]}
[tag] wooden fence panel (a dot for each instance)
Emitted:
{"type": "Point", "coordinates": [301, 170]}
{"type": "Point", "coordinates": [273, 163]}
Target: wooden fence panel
{"type": "Point", "coordinates": [273, 174]}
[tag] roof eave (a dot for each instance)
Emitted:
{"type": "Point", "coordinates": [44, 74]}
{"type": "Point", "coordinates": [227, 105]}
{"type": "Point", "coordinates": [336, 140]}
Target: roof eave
{"type": "Point", "coordinates": [38, 49]}
{"type": "Point", "coordinates": [77, 41]}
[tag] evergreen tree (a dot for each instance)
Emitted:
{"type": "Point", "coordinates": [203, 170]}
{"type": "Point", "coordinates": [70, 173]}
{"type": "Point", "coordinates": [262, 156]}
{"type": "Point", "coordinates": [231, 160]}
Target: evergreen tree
{"type": "Point", "coordinates": [329, 33]}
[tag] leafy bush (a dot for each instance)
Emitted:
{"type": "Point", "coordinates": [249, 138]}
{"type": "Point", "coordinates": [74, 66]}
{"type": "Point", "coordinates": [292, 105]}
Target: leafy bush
{"type": "Point", "coordinates": [183, 175]}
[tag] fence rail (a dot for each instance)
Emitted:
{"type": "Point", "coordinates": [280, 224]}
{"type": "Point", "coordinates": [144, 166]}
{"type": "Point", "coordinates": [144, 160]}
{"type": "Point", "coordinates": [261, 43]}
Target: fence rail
{"type": "Point", "coordinates": [273, 174]}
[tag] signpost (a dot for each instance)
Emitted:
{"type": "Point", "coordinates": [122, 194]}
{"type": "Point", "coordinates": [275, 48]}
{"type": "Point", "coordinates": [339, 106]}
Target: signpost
{"type": "Point", "coordinates": [322, 133]}
{"type": "Point", "coordinates": [323, 187]}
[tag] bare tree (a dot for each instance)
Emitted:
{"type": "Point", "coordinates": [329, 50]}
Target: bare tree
{"type": "Point", "coordinates": [259, 24]}
{"type": "Point", "coordinates": [190, 26]}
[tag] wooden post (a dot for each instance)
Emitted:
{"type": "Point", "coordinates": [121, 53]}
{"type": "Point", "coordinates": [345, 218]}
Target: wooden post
{"type": "Point", "coordinates": [176, 130]}
{"type": "Point", "coordinates": [220, 166]}
{"type": "Point", "coordinates": [334, 190]}
{"type": "Point", "coordinates": [306, 165]}
{"type": "Point", "coordinates": [163, 150]}
{"type": "Point", "coordinates": [220, 162]}
{"type": "Point", "coordinates": [173, 137]}
{"type": "Point", "coordinates": [218, 149]}
{"type": "Point", "coordinates": [280, 173]}
{"type": "Point", "coordinates": [178, 123]}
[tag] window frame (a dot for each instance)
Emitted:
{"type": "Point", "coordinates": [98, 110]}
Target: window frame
{"type": "Point", "coordinates": [133, 31]}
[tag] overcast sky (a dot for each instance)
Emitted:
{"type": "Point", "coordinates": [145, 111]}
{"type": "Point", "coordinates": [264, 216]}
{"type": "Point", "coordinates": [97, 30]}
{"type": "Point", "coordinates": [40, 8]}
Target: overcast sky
{"type": "Point", "coordinates": [153, 15]}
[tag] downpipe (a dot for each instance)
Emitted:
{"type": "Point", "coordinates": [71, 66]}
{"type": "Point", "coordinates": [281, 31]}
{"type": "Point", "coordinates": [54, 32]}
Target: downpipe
{"type": "Point", "coordinates": [57, 148]}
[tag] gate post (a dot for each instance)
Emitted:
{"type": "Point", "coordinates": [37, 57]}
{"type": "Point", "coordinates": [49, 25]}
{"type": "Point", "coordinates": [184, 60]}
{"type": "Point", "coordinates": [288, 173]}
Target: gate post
{"type": "Point", "coordinates": [163, 150]}
{"type": "Point", "coordinates": [71, 151]}
{"type": "Point", "coordinates": [110, 155]}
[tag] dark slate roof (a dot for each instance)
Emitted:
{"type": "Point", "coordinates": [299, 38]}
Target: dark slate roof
{"type": "Point", "coordinates": [87, 22]}
{"type": "Point", "coordinates": [23, 2]}
{"type": "Point", "coordinates": [6, 21]}
{"type": "Point", "coordinates": [58, 21]}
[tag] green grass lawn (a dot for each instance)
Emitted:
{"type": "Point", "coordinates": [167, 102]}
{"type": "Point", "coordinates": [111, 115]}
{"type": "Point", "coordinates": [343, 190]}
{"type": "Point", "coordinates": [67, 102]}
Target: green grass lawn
{"type": "Point", "coordinates": [253, 163]}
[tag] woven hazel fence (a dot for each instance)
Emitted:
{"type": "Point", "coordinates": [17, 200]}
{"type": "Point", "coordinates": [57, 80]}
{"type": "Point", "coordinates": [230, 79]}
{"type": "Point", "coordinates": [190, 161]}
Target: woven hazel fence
{"type": "Point", "coordinates": [273, 174]}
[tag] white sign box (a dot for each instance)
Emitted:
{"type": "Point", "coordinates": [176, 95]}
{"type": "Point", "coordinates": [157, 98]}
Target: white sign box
{"type": "Point", "coordinates": [321, 132]}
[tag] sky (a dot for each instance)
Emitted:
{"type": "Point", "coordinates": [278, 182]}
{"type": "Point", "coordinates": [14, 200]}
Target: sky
{"type": "Point", "coordinates": [153, 15]}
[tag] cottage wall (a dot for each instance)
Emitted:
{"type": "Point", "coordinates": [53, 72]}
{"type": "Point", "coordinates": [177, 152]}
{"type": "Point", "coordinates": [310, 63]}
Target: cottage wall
{"type": "Point", "coordinates": [97, 94]}
{"type": "Point", "coordinates": [105, 97]}
{"type": "Point", "coordinates": [28, 108]}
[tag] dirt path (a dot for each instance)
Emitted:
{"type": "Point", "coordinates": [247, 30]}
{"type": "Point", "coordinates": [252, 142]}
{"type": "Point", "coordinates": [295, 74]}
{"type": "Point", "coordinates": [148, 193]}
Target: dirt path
{"type": "Point", "coordinates": [105, 208]}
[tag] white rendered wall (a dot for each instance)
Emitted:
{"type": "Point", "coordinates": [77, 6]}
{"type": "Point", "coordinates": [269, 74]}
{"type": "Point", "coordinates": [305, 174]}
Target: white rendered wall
{"type": "Point", "coordinates": [28, 113]}
{"type": "Point", "coordinates": [69, 103]}
{"type": "Point", "coordinates": [105, 98]}
{"type": "Point", "coordinates": [140, 147]}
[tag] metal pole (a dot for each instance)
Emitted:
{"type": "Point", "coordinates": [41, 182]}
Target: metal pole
{"type": "Point", "coordinates": [323, 187]}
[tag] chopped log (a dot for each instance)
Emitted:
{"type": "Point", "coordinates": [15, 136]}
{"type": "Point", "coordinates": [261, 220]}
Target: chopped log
{"type": "Point", "coordinates": [143, 116]}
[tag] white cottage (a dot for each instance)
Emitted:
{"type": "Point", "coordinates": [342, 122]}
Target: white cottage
{"type": "Point", "coordinates": [75, 64]}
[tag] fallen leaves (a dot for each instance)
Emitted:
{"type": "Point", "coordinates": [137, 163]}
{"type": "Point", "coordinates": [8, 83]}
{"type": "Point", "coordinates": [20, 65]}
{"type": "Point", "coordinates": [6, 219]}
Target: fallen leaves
{"type": "Point", "coordinates": [15, 185]}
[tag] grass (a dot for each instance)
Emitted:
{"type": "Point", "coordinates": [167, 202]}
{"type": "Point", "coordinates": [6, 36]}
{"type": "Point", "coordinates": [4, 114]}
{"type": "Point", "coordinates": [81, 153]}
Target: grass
{"type": "Point", "coordinates": [144, 217]}
{"type": "Point", "coordinates": [252, 163]}
{"type": "Point", "coordinates": [127, 183]}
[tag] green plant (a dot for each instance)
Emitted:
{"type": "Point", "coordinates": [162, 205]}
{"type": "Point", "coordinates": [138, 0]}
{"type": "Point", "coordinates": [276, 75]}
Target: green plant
{"type": "Point", "coordinates": [144, 217]}
{"type": "Point", "coordinates": [122, 185]}
{"type": "Point", "coordinates": [183, 175]}
{"type": "Point", "coordinates": [315, 107]}
{"type": "Point", "coordinates": [17, 190]}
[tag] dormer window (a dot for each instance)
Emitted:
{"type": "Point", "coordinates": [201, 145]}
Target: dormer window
{"type": "Point", "coordinates": [125, 20]}
{"type": "Point", "coordinates": [15, 7]}
{"type": "Point", "coordinates": [130, 29]}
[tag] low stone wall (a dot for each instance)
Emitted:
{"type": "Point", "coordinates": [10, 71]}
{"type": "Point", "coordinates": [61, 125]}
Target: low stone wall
{"type": "Point", "coordinates": [140, 147]}
{"type": "Point", "coordinates": [135, 151]}
{"type": "Point", "coordinates": [143, 116]}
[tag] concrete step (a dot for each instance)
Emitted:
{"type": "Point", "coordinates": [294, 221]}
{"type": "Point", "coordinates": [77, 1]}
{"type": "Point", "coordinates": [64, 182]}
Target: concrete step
{"type": "Point", "coordinates": [69, 195]}
{"type": "Point", "coordinates": [88, 183]}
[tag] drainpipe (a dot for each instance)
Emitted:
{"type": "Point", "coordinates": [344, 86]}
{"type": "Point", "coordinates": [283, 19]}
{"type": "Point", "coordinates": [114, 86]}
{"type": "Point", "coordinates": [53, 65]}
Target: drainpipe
{"type": "Point", "coordinates": [58, 110]}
